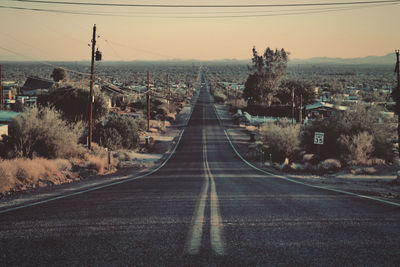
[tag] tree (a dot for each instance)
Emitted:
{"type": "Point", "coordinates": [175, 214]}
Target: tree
{"type": "Point", "coordinates": [117, 132]}
{"type": "Point", "coordinates": [74, 103]}
{"type": "Point", "coordinates": [268, 69]}
{"type": "Point", "coordinates": [302, 89]}
{"type": "Point", "coordinates": [59, 74]}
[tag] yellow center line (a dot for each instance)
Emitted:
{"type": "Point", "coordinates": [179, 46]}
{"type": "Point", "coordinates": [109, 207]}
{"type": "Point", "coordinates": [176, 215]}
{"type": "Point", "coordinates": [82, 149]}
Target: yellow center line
{"type": "Point", "coordinates": [193, 242]}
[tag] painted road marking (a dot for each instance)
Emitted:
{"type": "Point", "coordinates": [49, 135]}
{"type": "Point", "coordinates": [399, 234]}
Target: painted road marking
{"type": "Point", "coordinates": [193, 242]}
{"type": "Point", "coordinates": [216, 225]}
{"type": "Point", "coordinates": [309, 185]}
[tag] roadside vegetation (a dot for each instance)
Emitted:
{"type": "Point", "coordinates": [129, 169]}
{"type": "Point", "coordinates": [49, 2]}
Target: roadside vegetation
{"type": "Point", "coordinates": [361, 134]}
{"type": "Point", "coordinates": [358, 137]}
{"type": "Point", "coordinates": [47, 143]}
{"type": "Point", "coordinates": [43, 149]}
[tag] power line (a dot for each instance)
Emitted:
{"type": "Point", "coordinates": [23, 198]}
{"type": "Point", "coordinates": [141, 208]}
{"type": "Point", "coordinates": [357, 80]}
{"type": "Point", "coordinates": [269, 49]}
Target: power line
{"type": "Point", "coordinates": [206, 6]}
{"type": "Point", "coordinates": [270, 13]}
{"type": "Point", "coordinates": [42, 62]}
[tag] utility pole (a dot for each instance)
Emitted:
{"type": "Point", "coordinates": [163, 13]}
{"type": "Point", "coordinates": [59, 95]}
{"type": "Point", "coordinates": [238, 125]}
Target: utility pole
{"type": "Point", "coordinates": [91, 89]}
{"type": "Point", "coordinates": [148, 101]}
{"type": "Point", "coordinates": [179, 90]}
{"type": "Point", "coordinates": [169, 92]}
{"type": "Point", "coordinates": [236, 95]}
{"type": "Point", "coordinates": [301, 109]}
{"type": "Point", "coordinates": [397, 70]}
{"type": "Point", "coordinates": [1, 92]}
{"type": "Point", "coordinates": [293, 105]}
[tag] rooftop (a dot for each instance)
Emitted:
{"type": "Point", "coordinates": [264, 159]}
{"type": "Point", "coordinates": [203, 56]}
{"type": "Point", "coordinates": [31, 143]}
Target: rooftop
{"type": "Point", "coordinates": [33, 83]}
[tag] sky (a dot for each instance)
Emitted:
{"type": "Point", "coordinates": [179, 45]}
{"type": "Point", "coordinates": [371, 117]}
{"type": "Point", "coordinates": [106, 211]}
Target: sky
{"type": "Point", "coordinates": [155, 33]}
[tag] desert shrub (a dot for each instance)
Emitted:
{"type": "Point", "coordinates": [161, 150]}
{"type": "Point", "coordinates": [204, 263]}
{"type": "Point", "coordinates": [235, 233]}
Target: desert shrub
{"type": "Point", "coordinates": [329, 165]}
{"type": "Point", "coordinates": [359, 147]}
{"type": "Point", "coordinates": [352, 122]}
{"type": "Point", "coordinates": [141, 123]}
{"type": "Point", "coordinates": [42, 133]}
{"type": "Point", "coordinates": [370, 119]}
{"type": "Point", "coordinates": [139, 104]}
{"type": "Point", "coordinates": [117, 132]}
{"type": "Point", "coordinates": [219, 97]}
{"type": "Point", "coordinates": [281, 141]}
{"type": "Point", "coordinates": [23, 173]}
{"type": "Point", "coordinates": [97, 164]}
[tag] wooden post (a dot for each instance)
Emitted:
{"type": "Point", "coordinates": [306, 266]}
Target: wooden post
{"type": "Point", "coordinates": [179, 90]}
{"type": "Point", "coordinates": [397, 70]}
{"type": "Point", "coordinates": [301, 109]}
{"type": "Point", "coordinates": [1, 92]}
{"type": "Point", "coordinates": [169, 92]}
{"type": "Point", "coordinates": [148, 101]}
{"type": "Point", "coordinates": [293, 105]}
{"type": "Point", "coordinates": [236, 95]}
{"type": "Point", "coordinates": [91, 89]}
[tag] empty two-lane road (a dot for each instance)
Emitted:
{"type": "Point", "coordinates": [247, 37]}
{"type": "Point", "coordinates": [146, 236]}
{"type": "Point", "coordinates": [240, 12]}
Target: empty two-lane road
{"type": "Point", "coordinates": [205, 206]}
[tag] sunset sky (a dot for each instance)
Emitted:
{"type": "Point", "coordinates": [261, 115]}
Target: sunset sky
{"type": "Point", "coordinates": [150, 33]}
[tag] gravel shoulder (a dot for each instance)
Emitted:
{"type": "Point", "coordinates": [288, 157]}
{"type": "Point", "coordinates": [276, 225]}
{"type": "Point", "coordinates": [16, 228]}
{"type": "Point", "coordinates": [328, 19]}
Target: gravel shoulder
{"type": "Point", "coordinates": [382, 184]}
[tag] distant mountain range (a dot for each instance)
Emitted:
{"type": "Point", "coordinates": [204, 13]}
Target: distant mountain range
{"type": "Point", "coordinates": [389, 59]}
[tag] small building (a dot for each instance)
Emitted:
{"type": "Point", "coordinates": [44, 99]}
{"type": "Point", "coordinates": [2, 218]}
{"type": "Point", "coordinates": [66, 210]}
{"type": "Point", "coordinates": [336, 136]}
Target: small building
{"type": "Point", "coordinates": [320, 110]}
{"type": "Point", "coordinates": [35, 86]}
{"type": "Point", "coordinates": [5, 119]}
{"type": "Point", "coordinates": [3, 130]}
{"type": "Point", "coordinates": [7, 116]}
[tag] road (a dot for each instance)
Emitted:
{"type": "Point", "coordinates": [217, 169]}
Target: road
{"type": "Point", "coordinates": [204, 207]}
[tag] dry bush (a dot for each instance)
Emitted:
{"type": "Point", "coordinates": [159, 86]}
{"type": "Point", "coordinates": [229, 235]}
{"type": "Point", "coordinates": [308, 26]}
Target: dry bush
{"type": "Point", "coordinates": [219, 97]}
{"type": "Point", "coordinates": [62, 164]}
{"type": "Point", "coordinates": [329, 165]}
{"type": "Point", "coordinates": [281, 141]}
{"type": "Point", "coordinates": [97, 164]}
{"type": "Point", "coordinates": [359, 148]}
{"type": "Point", "coordinates": [238, 103]}
{"type": "Point", "coordinates": [23, 173]}
{"type": "Point", "coordinates": [96, 160]}
{"type": "Point", "coordinates": [8, 180]}
{"type": "Point", "coordinates": [42, 133]}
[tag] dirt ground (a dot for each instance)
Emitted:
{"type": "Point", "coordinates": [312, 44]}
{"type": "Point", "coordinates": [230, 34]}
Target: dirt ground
{"type": "Point", "coordinates": [382, 184]}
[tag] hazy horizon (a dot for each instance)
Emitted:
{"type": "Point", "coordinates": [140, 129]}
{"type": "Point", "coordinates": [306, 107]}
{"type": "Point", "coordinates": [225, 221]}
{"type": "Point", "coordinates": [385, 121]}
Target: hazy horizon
{"type": "Point", "coordinates": [40, 32]}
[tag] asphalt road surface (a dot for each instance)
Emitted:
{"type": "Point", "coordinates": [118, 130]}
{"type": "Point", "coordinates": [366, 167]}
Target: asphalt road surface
{"type": "Point", "coordinates": [205, 207]}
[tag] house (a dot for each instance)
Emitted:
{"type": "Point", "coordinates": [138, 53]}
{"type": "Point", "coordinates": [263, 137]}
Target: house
{"type": "Point", "coordinates": [3, 130]}
{"type": "Point", "coordinates": [320, 110]}
{"type": "Point", "coordinates": [5, 119]}
{"type": "Point", "coordinates": [34, 86]}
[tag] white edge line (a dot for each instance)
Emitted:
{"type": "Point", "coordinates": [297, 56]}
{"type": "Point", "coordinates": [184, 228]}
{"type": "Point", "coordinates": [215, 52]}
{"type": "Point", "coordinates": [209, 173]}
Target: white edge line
{"type": "Point", "coordinates": [190, 115]}
{"type": "Point", "coordinates": [192, 108]}
{"type": "Point", "coordinates": [96, 187]}
{"type": "Point", "coordinates": [216, 113]}
{"type": "Point", "coordinates": [309, 185]}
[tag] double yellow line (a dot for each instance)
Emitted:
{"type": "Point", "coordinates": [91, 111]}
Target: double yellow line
{"type": "Point", "coordinates": [193, 242]}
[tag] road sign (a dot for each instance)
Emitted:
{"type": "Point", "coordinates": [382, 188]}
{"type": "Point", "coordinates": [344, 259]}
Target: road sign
{"type": "Point", "coordinates": [318, 138]}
